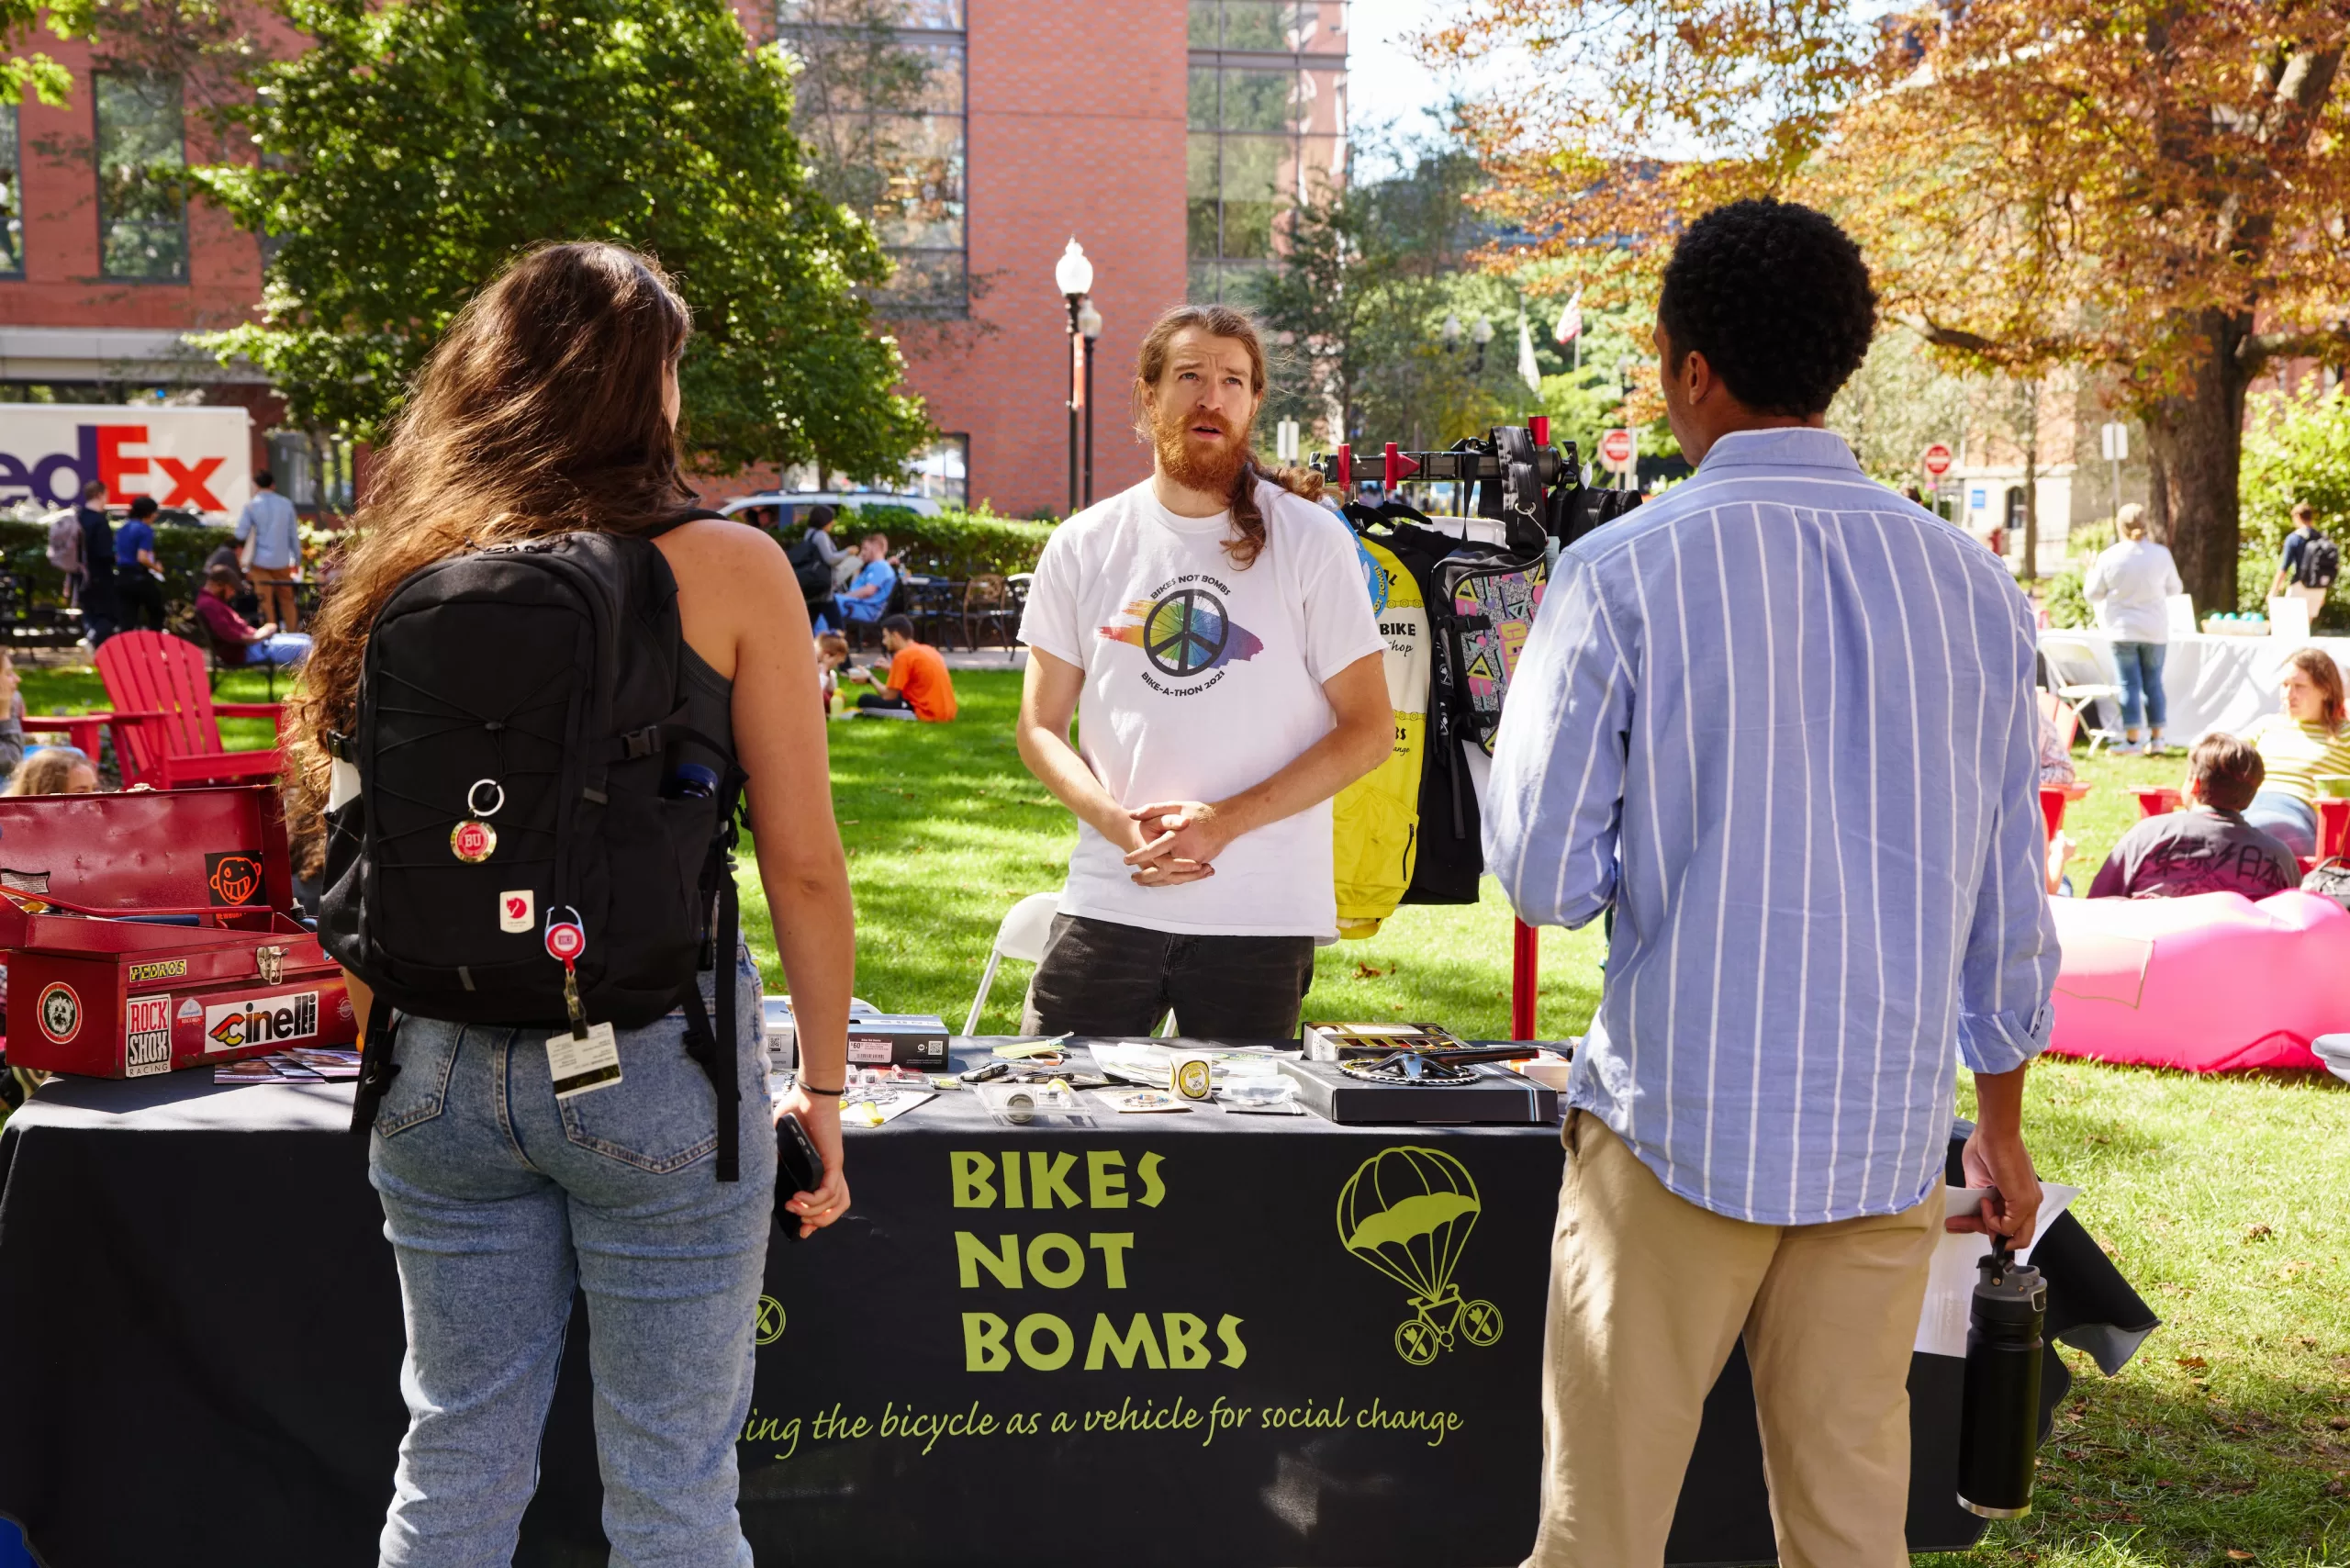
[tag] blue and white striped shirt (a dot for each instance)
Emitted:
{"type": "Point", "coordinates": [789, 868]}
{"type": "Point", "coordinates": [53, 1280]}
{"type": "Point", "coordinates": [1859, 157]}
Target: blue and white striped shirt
{"type": "Point", "coordinates": [1782, 719]}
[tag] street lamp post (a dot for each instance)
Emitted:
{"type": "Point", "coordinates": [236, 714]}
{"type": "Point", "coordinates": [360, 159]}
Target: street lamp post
{"type": "Point", "coordinates": [1074, 277]}
{"type": "Point", "coordinates": [1481, 334]}
{"type": "Point", "coordinates": [1089, 323]}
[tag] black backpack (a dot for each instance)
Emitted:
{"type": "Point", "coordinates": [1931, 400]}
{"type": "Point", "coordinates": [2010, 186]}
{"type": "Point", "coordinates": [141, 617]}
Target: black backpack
{"type": "Point", "coordinates": [808, 567]}
{"type": "Point", "coordinates": [523, 752]}
{"type": "Point", "coordinates": [2320, 563]}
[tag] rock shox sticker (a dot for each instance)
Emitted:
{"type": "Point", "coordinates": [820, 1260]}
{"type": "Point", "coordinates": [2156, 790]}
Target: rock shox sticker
{"type": "Point", "coordinates": [147, 1035]}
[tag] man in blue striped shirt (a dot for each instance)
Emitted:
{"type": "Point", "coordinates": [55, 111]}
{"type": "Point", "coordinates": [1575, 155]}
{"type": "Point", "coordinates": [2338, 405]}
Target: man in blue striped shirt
{"type": "Point", "coordinates": [1781, 719]}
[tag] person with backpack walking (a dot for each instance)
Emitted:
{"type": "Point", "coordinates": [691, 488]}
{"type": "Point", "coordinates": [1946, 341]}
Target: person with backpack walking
{"type": "Point", "coordinates": [2130, 583]}
{"type": "Point", "coordinates": [531, 699]}
{"type": "Point", "coordinates": [2310, 564]}
{"type": "Point", "coordinates": [65, 550]}
{"type": "Point", "coordinates": [1210, 631]}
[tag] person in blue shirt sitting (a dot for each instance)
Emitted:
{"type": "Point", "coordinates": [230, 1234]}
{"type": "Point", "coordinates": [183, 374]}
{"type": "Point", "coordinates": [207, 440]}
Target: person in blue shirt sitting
{"type": "Point", "coordinates": [867, 596]}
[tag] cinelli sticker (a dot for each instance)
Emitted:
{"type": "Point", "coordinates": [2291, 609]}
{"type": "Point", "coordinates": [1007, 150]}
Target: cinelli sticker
{"type": "Point", "coordinates": [147, 1035]}
{"type": "Point", "coordinates": [261, 1021]}
{"type": "Point", "coordinates": [163, 969]}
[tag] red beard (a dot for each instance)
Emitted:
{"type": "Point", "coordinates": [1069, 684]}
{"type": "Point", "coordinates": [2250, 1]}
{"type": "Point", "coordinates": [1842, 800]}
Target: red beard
{"type": "Point", "coordinates": [1191, 466]}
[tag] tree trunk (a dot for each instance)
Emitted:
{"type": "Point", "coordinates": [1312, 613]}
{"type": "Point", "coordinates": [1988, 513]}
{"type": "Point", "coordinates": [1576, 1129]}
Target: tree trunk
{"type": "Point", "coordinates": [2195, 448]}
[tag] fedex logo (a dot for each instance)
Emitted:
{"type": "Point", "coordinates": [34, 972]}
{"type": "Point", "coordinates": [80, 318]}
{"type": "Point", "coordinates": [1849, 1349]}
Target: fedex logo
{"type": "Point", "coordinates": [195, 459]}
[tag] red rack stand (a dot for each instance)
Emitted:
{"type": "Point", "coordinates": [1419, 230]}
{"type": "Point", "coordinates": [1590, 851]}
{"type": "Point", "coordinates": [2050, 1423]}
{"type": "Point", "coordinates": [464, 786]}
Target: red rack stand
{"type": "Point", "coordinates": [1524, 964]}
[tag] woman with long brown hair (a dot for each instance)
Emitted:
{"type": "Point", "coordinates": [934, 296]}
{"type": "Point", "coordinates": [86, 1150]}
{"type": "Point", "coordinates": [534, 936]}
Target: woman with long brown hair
{"type": "Point", "coordinates": [550, 406]}
{"type": "Point", "coordinates": [1212, 630]}
{"type": "Point", "coordinates": [2309, 741]}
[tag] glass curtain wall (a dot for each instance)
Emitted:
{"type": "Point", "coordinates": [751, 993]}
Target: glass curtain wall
{"type": "Point", "coordinates": [1267, 127]}
{"type": "Point", "coordinates": [142, 164]}
{"type": "Point", "coordinates": [880, 108]}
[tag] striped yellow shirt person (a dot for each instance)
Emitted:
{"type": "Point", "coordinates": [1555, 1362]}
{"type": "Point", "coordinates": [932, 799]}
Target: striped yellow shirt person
{"type": "Point", "coordinates": [2297, 752]}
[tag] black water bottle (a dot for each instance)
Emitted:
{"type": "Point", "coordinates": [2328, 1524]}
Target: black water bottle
{"type": "Point", "coordinates": [1998, 1437]}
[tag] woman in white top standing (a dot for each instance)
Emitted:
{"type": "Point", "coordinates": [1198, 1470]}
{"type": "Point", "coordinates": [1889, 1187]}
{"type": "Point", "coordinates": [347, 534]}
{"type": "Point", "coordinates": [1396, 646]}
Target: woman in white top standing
{"type": "Point", "coordinates": [2130, 583]}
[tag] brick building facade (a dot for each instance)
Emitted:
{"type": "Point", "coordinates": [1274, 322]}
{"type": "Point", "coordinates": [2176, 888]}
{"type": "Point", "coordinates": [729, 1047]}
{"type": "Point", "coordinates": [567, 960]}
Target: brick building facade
{"type": "Point", "coordinates": [1131, 126]}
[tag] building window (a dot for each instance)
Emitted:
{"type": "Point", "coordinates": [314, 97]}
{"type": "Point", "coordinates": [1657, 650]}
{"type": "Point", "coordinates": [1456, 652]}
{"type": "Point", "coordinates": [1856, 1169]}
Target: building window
{"type": "Point", "coordinates": [1267, 128]}
{"type": "Point", "coordinates": [142, 191]}
{"type": "Point", "coordinates": [313, 472]}
{"type": "Point", "coordinates": [942, 472]}
{"type": "Point", "coordinates": [12, 203]}
{"type": "Point", "coordinates": [880, 107]}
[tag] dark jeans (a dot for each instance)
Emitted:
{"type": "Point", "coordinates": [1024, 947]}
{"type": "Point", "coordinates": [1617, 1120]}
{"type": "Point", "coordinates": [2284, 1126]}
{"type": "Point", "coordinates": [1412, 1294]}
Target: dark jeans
{"type": "Point", "coordinates": [141, 598]}
{"type": "Point", "coordinates": [101, 608]}
{"type": "Point", "coordinates": [1102, 978]}
{"type": "Point", "coordinates": [874, 700]}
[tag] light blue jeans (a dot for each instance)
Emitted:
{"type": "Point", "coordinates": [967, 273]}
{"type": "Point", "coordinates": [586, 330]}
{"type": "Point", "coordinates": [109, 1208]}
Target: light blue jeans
{"type": "Point", "coordinates": [498, 1199]}
{"type": "Point", "coordinates": [2285, 817]}
{"type": "Point", "coordinates": [2141, 682]}
{"type": "Point", "coordinates": [279, 648]}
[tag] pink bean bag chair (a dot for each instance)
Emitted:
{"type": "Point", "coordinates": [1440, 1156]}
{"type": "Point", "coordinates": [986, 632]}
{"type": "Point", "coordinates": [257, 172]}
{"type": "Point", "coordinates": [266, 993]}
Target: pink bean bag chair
{"type": "Point", "coordinates": [2208, 984]}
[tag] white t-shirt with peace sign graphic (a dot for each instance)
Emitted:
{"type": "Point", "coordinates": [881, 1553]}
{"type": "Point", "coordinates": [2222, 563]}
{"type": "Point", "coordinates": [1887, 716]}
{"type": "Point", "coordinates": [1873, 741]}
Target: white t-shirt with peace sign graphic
{"type": "Point", "coordinates": [1201, 680]}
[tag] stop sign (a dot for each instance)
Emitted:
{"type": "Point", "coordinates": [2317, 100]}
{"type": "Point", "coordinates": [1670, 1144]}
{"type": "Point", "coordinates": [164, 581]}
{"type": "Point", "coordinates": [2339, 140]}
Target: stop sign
{"type": "Point", "coordinates": [1939, 458]}
{"type": "Point", "coordinates": [1616, 448]}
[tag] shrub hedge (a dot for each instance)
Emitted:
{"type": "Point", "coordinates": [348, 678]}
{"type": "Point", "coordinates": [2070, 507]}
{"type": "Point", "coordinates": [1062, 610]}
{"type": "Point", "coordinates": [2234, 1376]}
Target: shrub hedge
{"type": "Point", "coordinates": [951, 543]}
{"type": "Point", "coordinates": [181, 551]}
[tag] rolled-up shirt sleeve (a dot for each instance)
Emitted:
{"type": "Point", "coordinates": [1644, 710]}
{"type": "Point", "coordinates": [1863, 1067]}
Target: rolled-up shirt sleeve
{"type": "Point", "coordinates": [2009, 969]}
{"type": "Point", "coordinates": [1555, 802]}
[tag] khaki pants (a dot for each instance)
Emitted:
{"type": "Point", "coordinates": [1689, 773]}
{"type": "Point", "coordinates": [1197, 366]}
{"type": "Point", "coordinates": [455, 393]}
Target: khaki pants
{"type": "Point", "coordinates": [1647, 1293]}
{"type": "Point", "coordinates": [274, 587]}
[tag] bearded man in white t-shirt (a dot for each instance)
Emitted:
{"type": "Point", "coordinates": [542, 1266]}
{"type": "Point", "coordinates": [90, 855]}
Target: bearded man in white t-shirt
{"type": "Point", "coordinates": [1210, 632]}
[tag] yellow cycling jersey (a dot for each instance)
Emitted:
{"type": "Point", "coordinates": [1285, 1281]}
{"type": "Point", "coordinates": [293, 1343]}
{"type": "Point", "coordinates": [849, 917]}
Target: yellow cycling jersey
{"type": "Point", "coordinates": [1375, 826]}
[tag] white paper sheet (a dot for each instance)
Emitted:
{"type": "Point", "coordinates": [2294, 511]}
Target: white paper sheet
{"type": "Point", "coordinates": [1950, 1284]}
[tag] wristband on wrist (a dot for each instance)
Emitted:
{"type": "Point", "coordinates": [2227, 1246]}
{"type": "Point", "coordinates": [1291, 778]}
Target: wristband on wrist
{"type": "Point", "coordinates": [833, 1094]}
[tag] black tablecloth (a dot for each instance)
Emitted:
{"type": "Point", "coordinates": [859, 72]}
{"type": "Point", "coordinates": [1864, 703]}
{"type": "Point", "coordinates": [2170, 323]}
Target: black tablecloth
{"type": "Point", "coordinates": [209, 1336]}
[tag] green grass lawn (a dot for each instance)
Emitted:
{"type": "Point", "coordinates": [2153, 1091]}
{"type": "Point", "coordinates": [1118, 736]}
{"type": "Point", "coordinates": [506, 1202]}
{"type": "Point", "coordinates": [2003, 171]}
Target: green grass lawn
{"type": "Point", "coordinates": [2225, 1201]}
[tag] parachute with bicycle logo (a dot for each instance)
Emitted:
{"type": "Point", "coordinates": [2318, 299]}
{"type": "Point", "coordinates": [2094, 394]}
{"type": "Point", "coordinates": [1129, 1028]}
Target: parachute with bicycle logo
{"type": "Point", "coordinates": [1408, 1213]}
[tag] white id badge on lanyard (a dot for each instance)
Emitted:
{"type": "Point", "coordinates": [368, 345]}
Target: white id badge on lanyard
{"type": "Point", "coordinates": [578, 1066]}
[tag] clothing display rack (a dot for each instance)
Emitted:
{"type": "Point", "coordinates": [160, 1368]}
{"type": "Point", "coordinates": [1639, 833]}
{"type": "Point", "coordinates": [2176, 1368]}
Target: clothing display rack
{"type": "Point", "coordinates": [1456, 660]}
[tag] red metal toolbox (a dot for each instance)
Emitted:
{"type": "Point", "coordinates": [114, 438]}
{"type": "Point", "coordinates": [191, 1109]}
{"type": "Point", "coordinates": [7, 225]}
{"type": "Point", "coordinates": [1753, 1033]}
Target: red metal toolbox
{"type": "Point", "coordinates": [95, 988]}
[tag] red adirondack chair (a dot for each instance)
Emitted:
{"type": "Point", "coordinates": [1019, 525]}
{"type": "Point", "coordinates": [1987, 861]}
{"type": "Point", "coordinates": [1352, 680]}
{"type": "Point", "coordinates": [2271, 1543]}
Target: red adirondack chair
{"type": "Point", "coordinates": [168, 729]}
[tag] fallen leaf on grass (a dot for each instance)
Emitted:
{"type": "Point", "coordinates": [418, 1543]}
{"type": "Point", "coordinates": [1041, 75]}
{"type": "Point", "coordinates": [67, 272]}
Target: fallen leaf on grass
{"type": "Point", "coordinates": [2294, 1269]}
{"type": "Point", "coordinates": [2256, 1232]}
{"type": "Point", "coordinates": [2096, 1137]}
{"type": "Point", "coordinates": [2339, 1423]}
{"type": "Point", "coordinates": [2193, 1361]}
{"type": "Point", "coordinates": [1368, 971]}
{"type": "Point", "coordinates": [2235, 1556]}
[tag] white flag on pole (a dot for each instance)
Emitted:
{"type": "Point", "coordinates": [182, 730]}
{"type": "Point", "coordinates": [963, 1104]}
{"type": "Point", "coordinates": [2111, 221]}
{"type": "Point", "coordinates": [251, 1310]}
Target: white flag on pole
{"type": "Point", "coordinates": [1528, 370]}
{"type": "Point", "coordinates": [1570, 325]}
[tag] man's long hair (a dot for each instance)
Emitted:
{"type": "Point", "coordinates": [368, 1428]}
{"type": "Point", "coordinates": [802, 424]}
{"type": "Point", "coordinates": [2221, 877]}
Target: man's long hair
{"type": "Point", "coordinates": [1247, 538]}
{"type": "Point", "coordinates": [539, 412]}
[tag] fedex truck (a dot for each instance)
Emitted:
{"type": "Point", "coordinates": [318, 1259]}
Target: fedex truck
{"type": "Point", "coordinates": [197, 460]}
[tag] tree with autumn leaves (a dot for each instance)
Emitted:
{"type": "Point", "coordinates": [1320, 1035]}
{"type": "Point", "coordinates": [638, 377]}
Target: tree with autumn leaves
{"type": "Point", "coordinates": [2157, 188]}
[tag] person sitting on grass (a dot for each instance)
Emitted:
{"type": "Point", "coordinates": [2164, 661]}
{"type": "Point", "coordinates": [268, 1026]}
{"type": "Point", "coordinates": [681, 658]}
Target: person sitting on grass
{"type": "Point", "coordinates": [832, 653]}
{"type": "Point", "coordinates": [237, 644]}
{"type": "Point", "coordinates": [2209, 848]}
{"type": "Point", "coordinates": [917, 683]}
{"type": "Point", "coordinates": [55, 771]}
{"type": "Point", "coordinates": [2304, 744]}
{"type": "Point", "coordinates": [868, 592]}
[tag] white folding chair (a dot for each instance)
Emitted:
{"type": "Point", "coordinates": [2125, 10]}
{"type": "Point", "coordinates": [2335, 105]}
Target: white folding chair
{"type": "Point", "coordinates": [2079, 676]}
{"type": "Point", "coordinates": [1021, 938]}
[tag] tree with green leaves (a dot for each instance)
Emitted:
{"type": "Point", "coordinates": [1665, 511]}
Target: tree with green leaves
{"type": "Point", "coordinates": [36, 73]}
{"type": "Point", "coordinates": [418, 146]}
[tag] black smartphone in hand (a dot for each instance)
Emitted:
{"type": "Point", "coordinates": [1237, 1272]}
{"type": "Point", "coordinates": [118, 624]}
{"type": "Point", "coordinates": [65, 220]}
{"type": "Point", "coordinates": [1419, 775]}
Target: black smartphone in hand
{"type": "Point", "coordinates": [798, 1169]}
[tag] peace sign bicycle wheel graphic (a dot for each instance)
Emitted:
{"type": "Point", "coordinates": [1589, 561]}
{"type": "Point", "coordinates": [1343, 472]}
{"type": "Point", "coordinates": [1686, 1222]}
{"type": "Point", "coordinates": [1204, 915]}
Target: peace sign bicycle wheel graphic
{"type": "Point", "coordinates": [1185, 632]}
